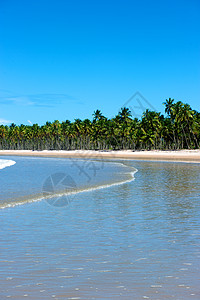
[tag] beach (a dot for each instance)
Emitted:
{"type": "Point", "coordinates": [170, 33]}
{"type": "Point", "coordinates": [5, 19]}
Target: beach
{"type": "Point", "coordinates": [153, 155]}
{"type": "Point", "coordinates": [99, 150]}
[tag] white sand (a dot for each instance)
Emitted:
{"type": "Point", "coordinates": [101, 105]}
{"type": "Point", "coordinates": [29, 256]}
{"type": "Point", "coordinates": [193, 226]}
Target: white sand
{"type": "Point", "coordinates": [182, 155]}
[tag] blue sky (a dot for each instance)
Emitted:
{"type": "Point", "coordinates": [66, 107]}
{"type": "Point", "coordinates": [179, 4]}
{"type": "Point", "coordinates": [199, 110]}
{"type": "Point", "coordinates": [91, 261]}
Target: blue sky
{"type": "Point", "coordinates": [64, 59]}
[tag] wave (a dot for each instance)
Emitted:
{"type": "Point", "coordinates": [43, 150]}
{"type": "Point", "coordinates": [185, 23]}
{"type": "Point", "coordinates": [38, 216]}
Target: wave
{"type": "Point", "coordinates": [40, 197]}
{"type": "Point", "coordinates": [6, 163]}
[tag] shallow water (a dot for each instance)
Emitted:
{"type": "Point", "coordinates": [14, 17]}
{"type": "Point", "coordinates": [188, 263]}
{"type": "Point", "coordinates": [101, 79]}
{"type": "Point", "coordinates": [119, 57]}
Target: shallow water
{"type": "Point", "coordinates": [31, 179]}
{"type": "Point", "coordinates": [137, 240]}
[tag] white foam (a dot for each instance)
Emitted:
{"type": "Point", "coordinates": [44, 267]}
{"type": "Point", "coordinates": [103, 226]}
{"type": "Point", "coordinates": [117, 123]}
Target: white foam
{"type": "Point", "coordinates": [6, 163]}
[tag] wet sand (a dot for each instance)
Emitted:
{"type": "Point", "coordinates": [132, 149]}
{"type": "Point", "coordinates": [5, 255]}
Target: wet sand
{"type": "Point", "coordinates": [155, 155]}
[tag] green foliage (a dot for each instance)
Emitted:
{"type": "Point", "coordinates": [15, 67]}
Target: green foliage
{"type": "Point", "coordinates": [180, 129]}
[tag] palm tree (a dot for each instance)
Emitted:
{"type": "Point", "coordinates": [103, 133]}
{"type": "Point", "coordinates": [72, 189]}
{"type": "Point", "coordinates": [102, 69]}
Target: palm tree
{"type": "Point", "coordinates": [151, 127]}
{"type": "Point", "coordinates": [125, 115]}
{"type": "Point", "coordinates": [169, 106]}
{"type": "Point", "coordinates": [97, 115]}
{"type": "Point", "coordinates": [180, 129]}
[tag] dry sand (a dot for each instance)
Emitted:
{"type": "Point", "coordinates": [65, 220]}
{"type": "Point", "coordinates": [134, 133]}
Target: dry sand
{"type": "Point", "coordinates": [157, 155]}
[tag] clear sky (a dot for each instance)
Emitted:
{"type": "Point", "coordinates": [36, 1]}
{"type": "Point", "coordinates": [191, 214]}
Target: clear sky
{"type": "Point", "coordinates": [63, 59]}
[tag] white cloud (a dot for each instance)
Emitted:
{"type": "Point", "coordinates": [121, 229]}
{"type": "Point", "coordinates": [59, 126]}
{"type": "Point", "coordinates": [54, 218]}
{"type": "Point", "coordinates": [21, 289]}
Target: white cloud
{"type": "Point", "coordinates": [37, 100]}
{"type": "Point", "coordinates": [20, 100]}
{"type": "Point", "coordinates": [5, 122]}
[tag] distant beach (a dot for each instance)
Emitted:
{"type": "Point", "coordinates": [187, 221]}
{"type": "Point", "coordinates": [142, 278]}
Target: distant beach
{"type": "Point", "coordinates": [154, 155]}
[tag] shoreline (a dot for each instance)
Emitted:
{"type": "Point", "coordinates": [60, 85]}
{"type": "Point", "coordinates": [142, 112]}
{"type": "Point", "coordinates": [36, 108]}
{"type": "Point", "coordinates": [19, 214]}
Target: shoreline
{"type": "Point", "coordinates": [190, 156]}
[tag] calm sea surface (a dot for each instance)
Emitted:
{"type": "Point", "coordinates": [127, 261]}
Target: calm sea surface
{"type": "Point", "coordinates": [85, 229]}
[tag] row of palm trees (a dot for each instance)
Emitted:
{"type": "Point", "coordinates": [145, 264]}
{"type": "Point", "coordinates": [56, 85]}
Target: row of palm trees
{"type": "Point", "coordinates": [179, 129]}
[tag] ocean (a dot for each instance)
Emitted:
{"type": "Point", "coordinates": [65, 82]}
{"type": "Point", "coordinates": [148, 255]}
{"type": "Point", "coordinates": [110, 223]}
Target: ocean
{"type": "Point", "coordinates": [99, 229]}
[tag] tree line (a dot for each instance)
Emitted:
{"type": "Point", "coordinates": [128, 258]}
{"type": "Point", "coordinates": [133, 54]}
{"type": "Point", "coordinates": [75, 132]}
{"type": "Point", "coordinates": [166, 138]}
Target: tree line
{"type": "Point", "coordinates": [178, 129]}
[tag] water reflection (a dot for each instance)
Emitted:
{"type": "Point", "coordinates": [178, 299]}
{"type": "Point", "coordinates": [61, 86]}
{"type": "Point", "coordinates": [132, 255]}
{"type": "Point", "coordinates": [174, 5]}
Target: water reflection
{"type": "Point", "coordinates": [135, 241]}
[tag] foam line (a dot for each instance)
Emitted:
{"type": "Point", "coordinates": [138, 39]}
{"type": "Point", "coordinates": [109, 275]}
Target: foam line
{"type": "Point", "coordinates": [41, 197]}
{"type": "Point", "coordinates": [6, 163]}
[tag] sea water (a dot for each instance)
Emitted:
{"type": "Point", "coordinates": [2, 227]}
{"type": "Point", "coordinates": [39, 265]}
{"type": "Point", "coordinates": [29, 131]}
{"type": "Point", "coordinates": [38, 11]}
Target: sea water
{"type": "Point", "coordinates": [33, 179]}
{"type": "Point", "coordinates": [115, 233]}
